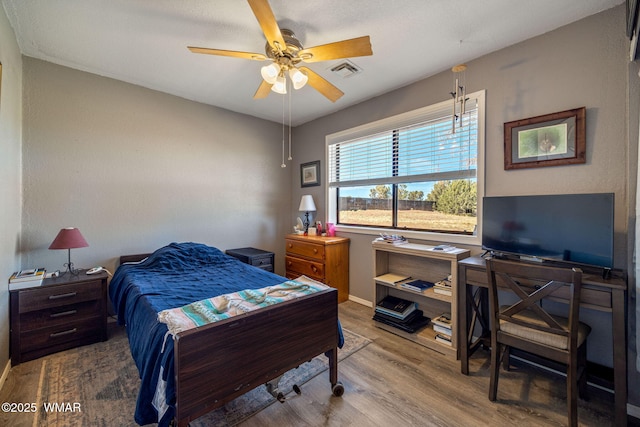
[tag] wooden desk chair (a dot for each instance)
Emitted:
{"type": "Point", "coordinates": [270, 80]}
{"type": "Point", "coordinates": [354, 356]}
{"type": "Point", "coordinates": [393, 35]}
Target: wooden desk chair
{"type": "Point", "coordinates": [526, 325]}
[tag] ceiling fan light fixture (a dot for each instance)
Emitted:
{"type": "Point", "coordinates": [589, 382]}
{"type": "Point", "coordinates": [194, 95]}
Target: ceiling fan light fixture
{"type": "Point", "coordinates": [280, 85]}
{"type": "Point", "coordinates": [298, 78]}
{"type": "Point", "coordinates": [270, 72]}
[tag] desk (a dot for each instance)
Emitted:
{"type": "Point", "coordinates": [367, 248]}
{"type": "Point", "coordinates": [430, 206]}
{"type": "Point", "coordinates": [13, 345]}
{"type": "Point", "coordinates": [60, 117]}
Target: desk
{"type": "Point", "coordinates": [607, 295]}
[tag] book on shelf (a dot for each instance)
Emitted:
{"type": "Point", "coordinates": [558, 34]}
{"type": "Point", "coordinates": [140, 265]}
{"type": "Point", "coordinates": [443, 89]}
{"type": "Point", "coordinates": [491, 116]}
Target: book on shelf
{"type": "Point", "coordinates": [28, 275]}
{"type": "Point", "coordinates": [444, 339]}
{"type": "Point", "coordinates": [443, 320]}
{"type": "Point", "coordinates": [411, 324]}
{"type": "Point", "coordinates": [442, 287]}
{"type": "Point", "coordinates": [442, 330]}
{"type": "Point", "coordinates": [417, 285]}
{"type": "Point", "coordinates": [395, 307]}
{"type": "Point", "coordinates": [392, 278]}
{"type": "Point", "coordinates": [381, 316]}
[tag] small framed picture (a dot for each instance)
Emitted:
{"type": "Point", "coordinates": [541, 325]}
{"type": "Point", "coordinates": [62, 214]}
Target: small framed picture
{"type": "Point", "coordinates": [549, 140]}
{"type": "Point", "coordinates": [310, 174]}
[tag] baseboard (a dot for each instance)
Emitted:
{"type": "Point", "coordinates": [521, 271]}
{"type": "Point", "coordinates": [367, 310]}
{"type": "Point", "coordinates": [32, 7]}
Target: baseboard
{"type": "Point", "coordinates": [5, 373]}
{"type": "Point", "coordinates": [360, 301]}
{"type": "Point", "coordinates": [633, 411]}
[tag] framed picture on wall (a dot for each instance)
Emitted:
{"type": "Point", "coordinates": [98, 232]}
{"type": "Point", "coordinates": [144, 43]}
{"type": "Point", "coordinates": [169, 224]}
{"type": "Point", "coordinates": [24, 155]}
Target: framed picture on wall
{"type": "Point", "coordinates": [549, 140]}
{"type": "Point", "coordinates": [310, 174]}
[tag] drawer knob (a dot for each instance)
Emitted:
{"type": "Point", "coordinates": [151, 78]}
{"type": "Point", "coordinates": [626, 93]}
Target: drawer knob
{"type": "Point", "coordinates": [59, 334]}
{"type": "Point", "coordinates": [315, 251]}
{"type": "Point", "coordinates": [69, 295]}
{"type": "Point", "coordinates": [63, 313]}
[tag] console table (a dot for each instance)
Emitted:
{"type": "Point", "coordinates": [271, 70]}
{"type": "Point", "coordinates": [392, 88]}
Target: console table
{"type": "Point", "coordinates": [608, 295]}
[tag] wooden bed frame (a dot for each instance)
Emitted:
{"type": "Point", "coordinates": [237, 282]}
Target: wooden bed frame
{"type": "Point", "coordinates": [218, 362]}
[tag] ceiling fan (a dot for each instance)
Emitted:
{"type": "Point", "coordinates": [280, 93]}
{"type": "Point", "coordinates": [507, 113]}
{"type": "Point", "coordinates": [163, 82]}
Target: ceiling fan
{"type": "Point", "coordinates": [286, 53]}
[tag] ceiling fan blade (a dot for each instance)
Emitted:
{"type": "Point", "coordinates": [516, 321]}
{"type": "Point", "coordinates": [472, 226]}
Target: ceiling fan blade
{"type": "Point", "coordinates": [234, 53]}
{"type": "Point", "coordinates": [268, 23]}
{"type": "Point", "coordinates": [263, 90]}
{"type": "Point", "coordinates": [321, 85]}
{"type": "Point", "coordinates": [360, 46]}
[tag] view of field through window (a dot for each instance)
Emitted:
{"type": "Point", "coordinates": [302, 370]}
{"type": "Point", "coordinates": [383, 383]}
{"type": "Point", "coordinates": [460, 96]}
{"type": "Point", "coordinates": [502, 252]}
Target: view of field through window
{"type": "Point", "coordinates": [443, 206]}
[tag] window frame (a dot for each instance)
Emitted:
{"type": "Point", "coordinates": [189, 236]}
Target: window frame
{"type": "Point", "coordinates": [399, 121]}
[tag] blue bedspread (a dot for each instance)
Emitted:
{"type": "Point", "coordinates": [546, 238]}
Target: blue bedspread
{"type": "Point", "coordinates": [173, 276]}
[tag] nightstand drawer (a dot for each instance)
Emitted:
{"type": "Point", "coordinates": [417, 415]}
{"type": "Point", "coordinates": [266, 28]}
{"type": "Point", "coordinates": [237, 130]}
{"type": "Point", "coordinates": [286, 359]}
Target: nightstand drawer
{"type": "Point", "coordinates": [46, 297]}
{"type": "Point", "coordinates": [82, 330]}
{"type": "Point", "coordinates": [308, 268]}
{"type": "Point", "coordinates": [263, 262]}
{"type": "Point", "coordinates": [55, 316]}
{"type": "Point", "coordinates": [305, 249]}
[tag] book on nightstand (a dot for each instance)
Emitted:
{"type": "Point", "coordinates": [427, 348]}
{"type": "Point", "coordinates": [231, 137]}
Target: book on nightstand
{"type": "Point", "coordinates": [26, 278]}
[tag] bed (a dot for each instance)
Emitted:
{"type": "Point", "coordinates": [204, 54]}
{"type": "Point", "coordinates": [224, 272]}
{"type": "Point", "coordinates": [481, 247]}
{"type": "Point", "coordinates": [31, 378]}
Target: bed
{"type": "Point", "coordinates": [186, 375]}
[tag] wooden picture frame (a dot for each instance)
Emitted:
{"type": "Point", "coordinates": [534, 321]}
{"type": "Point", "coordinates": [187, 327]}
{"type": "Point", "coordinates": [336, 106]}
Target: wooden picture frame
{"type": "Point", "coordinates": [549, 140]}
{"type": "Point", "coordinates": [310, 174]}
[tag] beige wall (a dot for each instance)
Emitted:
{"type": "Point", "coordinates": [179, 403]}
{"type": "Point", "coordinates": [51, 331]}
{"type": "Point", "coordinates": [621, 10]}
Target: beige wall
{"type": "Point", "coordinates": [10, 173]}
{"type": "Point", "coordinates": [582, 64]}
{"type": "Point", "coordinates": [136, 169]}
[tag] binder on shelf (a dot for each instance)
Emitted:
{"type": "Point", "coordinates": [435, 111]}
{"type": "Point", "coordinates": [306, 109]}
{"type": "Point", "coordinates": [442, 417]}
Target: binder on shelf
{"type": "Point", "coordinates": [396, 307]}
{"type": "Point", "coordinates": [411, 324]}
{"type": "Point", "coordinates": [392, 278]}
{"type": "Point", "coordinates": [417, 285]}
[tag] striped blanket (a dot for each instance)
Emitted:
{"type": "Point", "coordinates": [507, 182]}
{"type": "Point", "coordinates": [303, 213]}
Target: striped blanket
{"type": "Point", "coordinates": [222, 307]}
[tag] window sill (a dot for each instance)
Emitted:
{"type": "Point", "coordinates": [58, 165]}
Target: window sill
{"type": "Point", "coordinates": [413, 235]}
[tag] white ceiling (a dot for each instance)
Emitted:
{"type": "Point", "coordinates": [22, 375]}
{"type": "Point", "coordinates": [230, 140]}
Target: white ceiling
{"type": "Point", "coordinates": [144, 42]}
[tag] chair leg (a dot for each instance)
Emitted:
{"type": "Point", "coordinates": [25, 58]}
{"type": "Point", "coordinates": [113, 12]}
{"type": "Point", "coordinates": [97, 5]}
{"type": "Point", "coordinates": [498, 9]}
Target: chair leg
{"type": "Point", "coordinates": [495, 368]}
{"type": "Point", "coordinates": [572, 391]}
{"type": "Point", "coordinates": [505, 357]}
{"type": "Point", "coordinates": [582, 373]}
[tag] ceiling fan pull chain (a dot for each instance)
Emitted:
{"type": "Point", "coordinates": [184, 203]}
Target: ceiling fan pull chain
{"type": "Point", "coordinates": [283, 165]}
{"type": "Point", "coordinates": [290, 158]}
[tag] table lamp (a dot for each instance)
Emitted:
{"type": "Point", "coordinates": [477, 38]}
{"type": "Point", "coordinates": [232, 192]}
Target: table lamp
{"type": "Point", "coordinates": [69, 238]}
{"type": "Point", "coordinates": [306, 205]}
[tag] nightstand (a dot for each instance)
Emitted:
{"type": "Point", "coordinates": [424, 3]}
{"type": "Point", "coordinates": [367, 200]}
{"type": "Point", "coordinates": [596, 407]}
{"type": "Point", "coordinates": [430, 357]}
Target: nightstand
{"type": "Point", "coordinates": [325, 259]}
{"type": "Point", "coordinates": [256, 257]}
{"type": "Point", "coordinates": [62, 313]}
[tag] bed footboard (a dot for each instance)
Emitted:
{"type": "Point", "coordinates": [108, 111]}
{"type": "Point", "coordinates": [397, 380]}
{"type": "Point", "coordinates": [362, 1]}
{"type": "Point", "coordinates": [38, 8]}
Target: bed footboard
{"type": "Point", "coordinates": [221, 361]}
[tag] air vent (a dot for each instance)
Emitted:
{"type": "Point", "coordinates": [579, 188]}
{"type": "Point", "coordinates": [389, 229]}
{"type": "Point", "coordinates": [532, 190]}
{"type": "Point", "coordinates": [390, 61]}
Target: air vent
{"type": "Point", "coordinates": [345, 69]}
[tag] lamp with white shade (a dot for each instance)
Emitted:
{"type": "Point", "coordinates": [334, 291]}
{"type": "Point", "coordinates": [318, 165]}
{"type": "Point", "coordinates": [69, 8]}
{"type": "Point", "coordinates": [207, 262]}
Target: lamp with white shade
{"type": "Point", "coordinates": [307, 205]}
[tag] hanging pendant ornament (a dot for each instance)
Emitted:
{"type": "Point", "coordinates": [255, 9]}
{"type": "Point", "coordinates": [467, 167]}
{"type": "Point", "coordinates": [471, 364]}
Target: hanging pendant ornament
{"type": "Point", "coordinates": [459, 95]}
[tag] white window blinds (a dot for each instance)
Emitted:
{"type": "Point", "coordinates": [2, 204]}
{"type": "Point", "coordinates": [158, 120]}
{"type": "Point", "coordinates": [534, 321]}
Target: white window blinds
{"type": "Point", "coordinates": [425, 149]}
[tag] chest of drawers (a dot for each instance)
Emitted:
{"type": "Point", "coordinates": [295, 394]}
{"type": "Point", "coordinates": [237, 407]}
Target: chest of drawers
{"type": "Point", "coordinates": [62, 313]}
{"type": "Point", "coordinates": [325, 259]}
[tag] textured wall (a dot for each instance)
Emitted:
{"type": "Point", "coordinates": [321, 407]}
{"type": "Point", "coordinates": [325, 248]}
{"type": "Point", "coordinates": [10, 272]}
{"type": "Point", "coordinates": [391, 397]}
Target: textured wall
{"type": "Point", "coordinates": [10, 172]}
{"type": "Point", "coordinates": [581, 64]}
{"type": "Point", "coordinates": [136, 169]}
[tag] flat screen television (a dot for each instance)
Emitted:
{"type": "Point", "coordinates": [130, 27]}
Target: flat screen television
{"type": "Point", "coordinates": [571, 228]}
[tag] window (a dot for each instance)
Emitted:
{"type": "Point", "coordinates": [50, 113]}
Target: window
{"type": "Point", "coordinates": [410, 172]}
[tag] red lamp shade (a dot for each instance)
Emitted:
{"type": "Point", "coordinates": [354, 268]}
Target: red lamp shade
{"type": "Point", "coordinates": [68, 238]}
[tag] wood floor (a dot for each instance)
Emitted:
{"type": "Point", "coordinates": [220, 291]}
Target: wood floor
{"type": "Point", "coordinates": [394, 382]}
